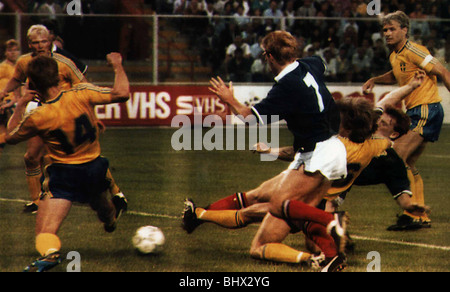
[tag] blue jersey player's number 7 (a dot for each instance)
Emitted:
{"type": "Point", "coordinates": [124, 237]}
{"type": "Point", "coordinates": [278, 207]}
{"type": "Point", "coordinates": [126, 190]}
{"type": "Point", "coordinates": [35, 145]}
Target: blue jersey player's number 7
{"type": "Point", "coordinates": [311, 82]}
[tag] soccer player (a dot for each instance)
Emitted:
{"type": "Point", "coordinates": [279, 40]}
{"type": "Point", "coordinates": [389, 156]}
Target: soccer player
{"type": "Point", "coordinates": [300, 97]}
{"type": "Point", "coordinates": [423, 105]}
{"type": "Point", "coordinates": [392, 124]}
{"type": "Point", "coordinates": [39, 42]}
{"type": "Point", "coordinates": [40, 45]}
{"type": "Point", "coordinates": [12, 53]}
{"type": "Point", "coordinates": [66, 123]}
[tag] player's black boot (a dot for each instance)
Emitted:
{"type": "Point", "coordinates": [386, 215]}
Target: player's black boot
{"type": "Point", "coordinates": [190, 221]}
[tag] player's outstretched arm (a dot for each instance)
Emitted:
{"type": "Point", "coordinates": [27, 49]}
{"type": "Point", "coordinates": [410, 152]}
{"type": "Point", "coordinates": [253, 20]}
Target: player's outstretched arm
{"type": "Point", "coordinates": [387, 78]}
{"type": "Point", "coordinates": [397, 95]}
{"type": "Point", "coordinates": [121, 88]}
{"type": "Point", "coordinates": [12, 136]}
{"type": "Point", "coordinates": [443, 74]}
{"type": "Point", "coordinates": [284, 153]}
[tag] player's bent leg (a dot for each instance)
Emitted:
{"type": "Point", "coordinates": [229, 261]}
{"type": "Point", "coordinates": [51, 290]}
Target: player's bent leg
{"type": "Point", "coordinates": [297, 185]}
{"type": "Point", "coordinates": [109, 210]}
{"type": "Point", "coordinates": [267, 244]}
{"type": "Point", "coordinates": [407, 144]}
{"type": "Point", "coordinates": [35, 151]}
{"type": "Point", "coordinates": [51, 214]}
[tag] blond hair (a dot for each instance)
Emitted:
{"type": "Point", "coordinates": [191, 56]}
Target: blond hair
{"type": "Point", "coordinates": [37, 29]}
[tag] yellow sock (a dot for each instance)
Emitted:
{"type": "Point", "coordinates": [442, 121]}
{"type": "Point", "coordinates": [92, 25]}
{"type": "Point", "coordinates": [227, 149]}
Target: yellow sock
{"type": "Point", "coordinates": [47, 243]}
{"type": "Point", "coordinates": [418, 192]}
{"type": "Point", "coordinates": [224, 218]}
{"type": "Point", "coordinates": [279, 252]}
{"type": "Point", "coordinates": [34, 183]}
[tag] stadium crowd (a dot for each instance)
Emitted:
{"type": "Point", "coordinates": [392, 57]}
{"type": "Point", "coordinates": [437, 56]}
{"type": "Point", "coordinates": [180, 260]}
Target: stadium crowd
{"type": "Point", "coordinates": [353, 48]}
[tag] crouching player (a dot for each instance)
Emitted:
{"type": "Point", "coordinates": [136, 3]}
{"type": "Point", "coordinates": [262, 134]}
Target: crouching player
{"type": "Point", "coordinates": [66, 123]}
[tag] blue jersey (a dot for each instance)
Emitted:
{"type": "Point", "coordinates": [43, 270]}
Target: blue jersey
{"type": "Point", "coordinates": [301, 98]}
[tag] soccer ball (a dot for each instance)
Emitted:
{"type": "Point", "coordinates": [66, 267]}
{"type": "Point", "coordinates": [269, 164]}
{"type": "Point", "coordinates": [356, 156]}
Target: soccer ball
{"type": "Point", "coordinates": [148, 240]}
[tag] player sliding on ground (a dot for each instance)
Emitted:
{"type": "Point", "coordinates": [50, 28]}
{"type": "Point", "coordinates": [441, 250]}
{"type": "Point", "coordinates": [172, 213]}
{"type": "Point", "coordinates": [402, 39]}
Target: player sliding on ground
{"type": "Point", "coordinates": [253, 213]}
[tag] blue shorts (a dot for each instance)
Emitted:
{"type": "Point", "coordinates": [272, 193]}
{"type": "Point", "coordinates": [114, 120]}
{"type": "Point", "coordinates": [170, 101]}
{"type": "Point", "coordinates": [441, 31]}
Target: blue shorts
{"type": "Point", "coordinates": [427, 120]}
{"type": "Point", "coordinates": [76, 182]}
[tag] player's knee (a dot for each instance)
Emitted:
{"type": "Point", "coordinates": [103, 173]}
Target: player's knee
{"type": "Point", "coordinates": [276, 206]}
{"type": "Point", "coordinates": [31, 160]}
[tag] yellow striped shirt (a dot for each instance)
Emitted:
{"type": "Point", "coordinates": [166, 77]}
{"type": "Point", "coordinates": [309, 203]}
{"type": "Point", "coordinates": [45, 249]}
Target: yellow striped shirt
{"type": "Point", "coordinates": [405, 63]}
{"type": "Point", "coordinates": [69, 74]}
{"type": "Point", "coordinates": [67, 124]}
{"type": "Point", "coordinates": [359, 156]}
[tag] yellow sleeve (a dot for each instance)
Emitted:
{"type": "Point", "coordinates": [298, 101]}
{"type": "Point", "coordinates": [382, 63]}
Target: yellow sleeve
{"type": "Point", "coordinates": [421, 57]}
{"type": "Point", "coordinates": [20, 72]}
{"type": "Point", "coordinates": [94, 94]}
{"type": "Point", "coordinates": [25, 130]}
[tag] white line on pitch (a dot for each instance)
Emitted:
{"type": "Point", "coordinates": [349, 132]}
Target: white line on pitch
{"type": "Point", "coordinates": [447, 248]}
{"type": "Point", "coordinates": [144, 214]}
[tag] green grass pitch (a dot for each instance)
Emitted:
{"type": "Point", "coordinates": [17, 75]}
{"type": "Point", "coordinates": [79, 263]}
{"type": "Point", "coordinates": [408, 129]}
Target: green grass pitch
{"type": "Point", "coordinates": [156, 179]}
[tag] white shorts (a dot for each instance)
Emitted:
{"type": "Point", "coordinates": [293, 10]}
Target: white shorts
{"type": "Point", "coordinates": [329, 157]}
{"type": "Point", "coordinates": [31, 106]}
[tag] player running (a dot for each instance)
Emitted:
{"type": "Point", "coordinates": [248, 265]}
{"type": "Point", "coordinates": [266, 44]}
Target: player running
{"type": "Point", "coordinates": [66, 123]}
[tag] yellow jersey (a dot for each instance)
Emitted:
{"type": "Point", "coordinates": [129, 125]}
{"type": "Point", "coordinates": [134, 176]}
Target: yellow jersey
{"type": "Point", "coordinates": [405, 63]}
{"type": "Point", "coordinates": [67, 124]}
{"type": "Point", "coordinates": [359, 156]}
{"type": "Point", "coordinates": [6, 73]}
{"type": "Point", "coordinates": [69, 74]}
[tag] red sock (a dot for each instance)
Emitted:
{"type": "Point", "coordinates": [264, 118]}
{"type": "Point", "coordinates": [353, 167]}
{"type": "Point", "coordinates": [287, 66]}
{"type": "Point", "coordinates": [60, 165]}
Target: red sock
{"type": "Point", "coordinates": [296, 210]}
{"type": "Point", "coordinates": [234, 202]}
{"type": "Point", "coordinates": [318, 233]}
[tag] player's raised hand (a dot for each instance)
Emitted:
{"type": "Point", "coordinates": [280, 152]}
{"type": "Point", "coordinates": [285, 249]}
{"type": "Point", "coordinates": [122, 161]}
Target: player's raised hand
{"type": "Point", "coordinates": [419, 76]}
{"type": "Point", "coordinates": [114, 59]}
{"type": "Point", "coordinates": [368, 86]}
{"type": "Point", "coordinates": [224, 92]}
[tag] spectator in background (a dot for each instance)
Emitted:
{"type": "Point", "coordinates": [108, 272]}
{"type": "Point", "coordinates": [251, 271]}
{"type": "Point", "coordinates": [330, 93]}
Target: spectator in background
{"type": "Point", "coordinates": [380, 58]}
{"type": "Point", "coordinates": [361, 65]}
{"type": "Point", "coordinates": [255, 48]}
{"type": "Point", "coordinates": [418, 20]}
{"type": "Point", "coordinates": [196, 25]}
{"type": "Point", "coordinates": [260, 70]}
{"type": "Point", "coordinates": [179, 6]}
{"type": "Point", "coordinates": [331, 66]}
{"type": "Point", "coordinates": [289, 12]}
{"type": "Point", "coordinates": [343, 66]}
{"type": "Point", "coordinates": [238, 43]}
{"type": "Point", "coordinates": [209, 50]}
{"type": "Point", "coordinates": [307, 9]}
{"type": "Point", "coordinates": [416, 36]}
{"type": "Point", "coordinates": [240, 17]}
{"type": "Point", "coordinates": [134, 33]}
{"type": "Point", "coordinates": [262, 5]}
{"type": "Point", "coordinates": [238, 68]}
{"type": "Point", "coordinates": [275, 12]}
{"type": "Point", "coordinates": [48, 10]}
{"type": "Point", "coordinates": [210, 11]}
